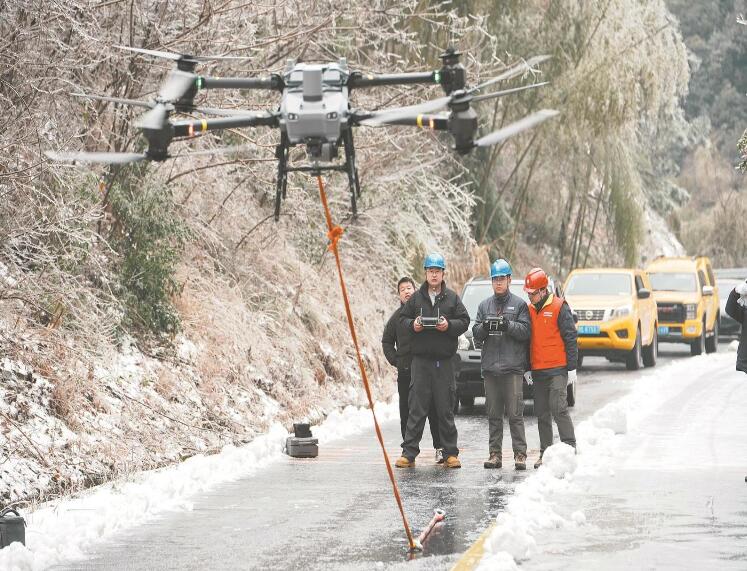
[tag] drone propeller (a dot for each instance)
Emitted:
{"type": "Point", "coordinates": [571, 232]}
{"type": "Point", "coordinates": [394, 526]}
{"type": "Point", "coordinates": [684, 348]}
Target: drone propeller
{"type": "Point", "coordinates": [397, 114]}
{"type": "Point", "coordinates": [107, 158]}
{"type": "Point", "coordinates": [125, 158]}
{"type": "Point", "coordinates": [152, 104]}
{"type": "Point", "coordinates": [512, 72]}
{"type": "Point", "coordinates": [123, 101]}
{"type": "Point", "coordinates": [180, 57]}
{"type": "Point", "coordinates": [514, 128]}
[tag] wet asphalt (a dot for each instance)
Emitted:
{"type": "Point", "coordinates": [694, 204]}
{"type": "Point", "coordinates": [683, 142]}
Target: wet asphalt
{"type": "Point", "coordinates": [337, 511]}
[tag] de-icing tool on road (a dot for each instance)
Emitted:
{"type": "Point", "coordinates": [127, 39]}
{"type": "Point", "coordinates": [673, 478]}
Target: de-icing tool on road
{"type": "Point", "coordinates": [438, 517]}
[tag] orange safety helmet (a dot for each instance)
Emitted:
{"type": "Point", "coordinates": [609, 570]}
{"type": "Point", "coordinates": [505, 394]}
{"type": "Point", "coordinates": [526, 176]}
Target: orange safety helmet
{"type": "Point", "coordinates": [536, 279]}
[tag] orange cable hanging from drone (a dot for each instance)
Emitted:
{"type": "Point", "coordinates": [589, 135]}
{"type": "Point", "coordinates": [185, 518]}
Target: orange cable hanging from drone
{"type": "Point", "coordinates": [334, 234]}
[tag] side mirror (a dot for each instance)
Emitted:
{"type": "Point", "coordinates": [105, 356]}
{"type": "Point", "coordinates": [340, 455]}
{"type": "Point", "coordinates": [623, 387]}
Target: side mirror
{"type": "Point", "coordinates": [707, 290]}
{"type": "Point", "coordinates": [644, 293]}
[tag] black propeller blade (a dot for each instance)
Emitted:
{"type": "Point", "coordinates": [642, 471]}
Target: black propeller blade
{"type": "Point", "coordinates": [517, 127]}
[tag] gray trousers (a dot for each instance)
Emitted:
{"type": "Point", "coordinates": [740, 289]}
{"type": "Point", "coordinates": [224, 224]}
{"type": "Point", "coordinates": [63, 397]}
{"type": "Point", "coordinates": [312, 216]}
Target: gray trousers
{"type": "Point", "coordinates": [432, 382]}
{"type": "Point", "coordinates": [505, 393]}
{"type": "Point", "coordinates": [550, 399]}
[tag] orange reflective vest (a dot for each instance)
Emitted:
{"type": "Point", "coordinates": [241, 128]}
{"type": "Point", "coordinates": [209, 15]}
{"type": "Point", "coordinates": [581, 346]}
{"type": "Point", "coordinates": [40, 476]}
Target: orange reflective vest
{"type": "Point", "coordinates": [546, 347]}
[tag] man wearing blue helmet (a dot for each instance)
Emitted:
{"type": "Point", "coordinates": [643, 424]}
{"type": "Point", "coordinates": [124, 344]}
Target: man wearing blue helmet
{"type": "Point", "coordinates": [503, 326]}
{"type": "Point", "coordinates": [437, 318]}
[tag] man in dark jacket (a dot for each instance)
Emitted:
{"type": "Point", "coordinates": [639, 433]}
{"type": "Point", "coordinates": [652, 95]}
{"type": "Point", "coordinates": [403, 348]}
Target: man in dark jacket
{"type": "Point", "coordinates": [437, 317]}
{"type": "Point", "coordinates": [553, 356]}
{"type": "Point", "coordinates": [502, 325]}
{"type": "Point", "coordinates": [736, 308]}
{"type": "Point", "coordinates": [396, 342]}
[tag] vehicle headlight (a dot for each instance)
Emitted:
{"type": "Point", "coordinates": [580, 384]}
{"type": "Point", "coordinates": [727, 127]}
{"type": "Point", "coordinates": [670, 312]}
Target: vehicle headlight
{"type": "Point", "coordinates": [691, 310]}
{"type": "Point", "coordinates": [463, 343]}
{"type": "Point", "coordinates": [623, 311]}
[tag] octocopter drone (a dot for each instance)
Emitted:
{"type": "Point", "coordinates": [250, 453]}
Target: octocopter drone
{"type": "Point", "coordinates": [315, 111]}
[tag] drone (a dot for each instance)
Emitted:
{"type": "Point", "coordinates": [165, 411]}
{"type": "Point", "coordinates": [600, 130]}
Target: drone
{"type": "Point", "coordinates": [315, 111]}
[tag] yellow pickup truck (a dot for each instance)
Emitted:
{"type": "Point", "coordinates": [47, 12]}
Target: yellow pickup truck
{"type": "Point", "coordinates": [687, 298]}
{"type": "Point", "coordinates": [616, 315]}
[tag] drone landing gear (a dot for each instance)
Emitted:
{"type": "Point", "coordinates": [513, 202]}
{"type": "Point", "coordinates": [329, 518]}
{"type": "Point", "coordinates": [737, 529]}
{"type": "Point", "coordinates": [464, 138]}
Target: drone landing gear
{"type": "Point", "coordinates": [282, 152]}
{"type": "Point", "coordinates": [352, 170]}
{"type": "Point", "coordinates": [281, 185]}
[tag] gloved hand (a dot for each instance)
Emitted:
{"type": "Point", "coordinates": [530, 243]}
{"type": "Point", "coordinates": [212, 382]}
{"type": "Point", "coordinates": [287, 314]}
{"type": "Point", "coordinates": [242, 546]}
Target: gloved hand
{"type": "Point", "coordinates": [572, 376]}
{"type": "Point", "coordinates": [741, 289]}
{"type": "Point", "coordinates": [528, 378]}
{"type": "Point", "coordinates": [502, 323]}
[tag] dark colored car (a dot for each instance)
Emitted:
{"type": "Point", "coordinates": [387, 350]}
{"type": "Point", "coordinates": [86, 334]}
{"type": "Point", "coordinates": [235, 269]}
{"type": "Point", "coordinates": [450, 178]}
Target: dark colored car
{"type": "Point", "coordinates": [469, 376]}
{"type": "Point", "coordinates": [727, 279]}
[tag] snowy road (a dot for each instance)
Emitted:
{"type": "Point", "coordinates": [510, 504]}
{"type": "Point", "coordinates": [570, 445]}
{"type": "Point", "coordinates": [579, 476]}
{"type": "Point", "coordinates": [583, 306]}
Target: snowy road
{"type": "Point", "coordinates": [666, 491]}
{"type": "Point", "coordinates": [337, 512]}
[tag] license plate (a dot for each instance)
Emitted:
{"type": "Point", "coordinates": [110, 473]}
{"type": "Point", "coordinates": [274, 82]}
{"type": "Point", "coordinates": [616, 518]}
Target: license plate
{"type": "Point", "coordinates": [588, 329]}
{"type": "Point", "coordinates": [663, 330]}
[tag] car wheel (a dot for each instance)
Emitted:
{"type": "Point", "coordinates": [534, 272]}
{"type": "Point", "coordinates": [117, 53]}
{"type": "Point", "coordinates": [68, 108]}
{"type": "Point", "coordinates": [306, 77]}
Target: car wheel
{"type": "Point", "coordinates": [698, 346]}
{"type": "Point", "coordinates": [651, 352]}
{"type": "Point", "coordinates": [571, 394]}
{"type": "Point", "coordinates": [634, 360]}
{"type": "Point", "coordinates": [711, 343]}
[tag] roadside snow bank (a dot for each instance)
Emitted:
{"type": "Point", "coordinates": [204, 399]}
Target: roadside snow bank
{"type": "Point", "coordinates": [64, 530]}
{"type": "Point", "coordinates": [532, 510]}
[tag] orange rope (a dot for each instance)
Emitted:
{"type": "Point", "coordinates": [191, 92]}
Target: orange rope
{"type": "Point", "coordinates": [334, 234]}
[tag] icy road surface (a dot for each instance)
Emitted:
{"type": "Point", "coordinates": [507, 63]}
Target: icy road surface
{"type": "Point", "coordinates": [252, 508]}
{"type": "Point", "coordinates": [659, 482]}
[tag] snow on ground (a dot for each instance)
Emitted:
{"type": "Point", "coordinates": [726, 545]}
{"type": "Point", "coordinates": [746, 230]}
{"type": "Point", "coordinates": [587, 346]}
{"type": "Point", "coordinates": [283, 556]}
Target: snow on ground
{"type": "Point", "coordinates": [605, 507]}
{"type": "Point", "coordinates": [64, 530]}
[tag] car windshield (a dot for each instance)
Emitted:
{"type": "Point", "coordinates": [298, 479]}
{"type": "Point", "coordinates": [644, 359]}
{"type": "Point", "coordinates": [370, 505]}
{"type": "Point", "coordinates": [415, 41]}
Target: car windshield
{"type": "Point", "coordinates": [671, 281]}
{"type": "Point", "coordinates": [599, 284]}
{"type": "Point", "coordinates": [475, 293]}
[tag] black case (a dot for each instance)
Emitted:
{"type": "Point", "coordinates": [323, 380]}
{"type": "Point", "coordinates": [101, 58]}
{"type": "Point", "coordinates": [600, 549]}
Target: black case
{"type": "Point", "coordinates": [12, 528]}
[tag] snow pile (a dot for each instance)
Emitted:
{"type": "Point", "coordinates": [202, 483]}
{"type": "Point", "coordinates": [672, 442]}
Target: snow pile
{"type": "Point", "coordinates": [64, 530]}
{"type": "Point", "coordinates": [531, 510]}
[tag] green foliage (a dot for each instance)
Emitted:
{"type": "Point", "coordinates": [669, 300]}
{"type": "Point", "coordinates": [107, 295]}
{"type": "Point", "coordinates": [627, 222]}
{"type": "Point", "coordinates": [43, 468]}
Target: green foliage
{"type": "Point", "coordinates": [626, 214]}
{"type": "Point", "coordinates": [742, 146]}
{"type": "Point", "coordinates": [149, 237]}
{"type": "Point", "coordinates": [719, 62]}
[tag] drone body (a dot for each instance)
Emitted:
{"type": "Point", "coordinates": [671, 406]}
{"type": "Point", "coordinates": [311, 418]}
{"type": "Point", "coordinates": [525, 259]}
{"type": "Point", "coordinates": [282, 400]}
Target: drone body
{"type": "Point", "coordinates": [314, 111]}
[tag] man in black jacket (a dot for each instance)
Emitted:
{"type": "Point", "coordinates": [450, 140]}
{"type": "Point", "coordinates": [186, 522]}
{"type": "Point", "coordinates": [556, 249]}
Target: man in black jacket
{"type": "Point", "coordinates": [736, 308]}
{"type": "Point", "coordinates": [396, 342]}
{"type": "Point", "coordinates": [437, 317]}
{"type": "Point", "coordinates": [502, 325]}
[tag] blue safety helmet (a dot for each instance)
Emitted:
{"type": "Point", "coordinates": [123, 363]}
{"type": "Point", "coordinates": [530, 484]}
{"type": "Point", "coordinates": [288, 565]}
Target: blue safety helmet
{"type": "Point", "coordinates": [500, 268]}
{"type": "Point", "coordinates": [434, 260]}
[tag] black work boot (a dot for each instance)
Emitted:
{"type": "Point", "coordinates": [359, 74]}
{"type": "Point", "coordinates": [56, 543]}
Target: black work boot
{"type": "Point", "coordinates": [494, 461]}
{"type": "Point", "coordinates": [538, 463]}
{"type": "Point", "coordinates": [520, 461]}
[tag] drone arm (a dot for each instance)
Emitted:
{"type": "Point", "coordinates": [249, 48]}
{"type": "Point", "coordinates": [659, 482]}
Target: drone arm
{"type": "Point", "coordinates": [274, 82]}
{"type": "Point", "coordinates": [431, 122]}
{"type": "Point", "coordinates": [189, 128]}
{"type": "Point", "coordinates": [357, 79]}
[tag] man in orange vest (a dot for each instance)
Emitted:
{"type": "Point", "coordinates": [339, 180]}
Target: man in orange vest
{"type": "Point", "coordinates": [553, 355]}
